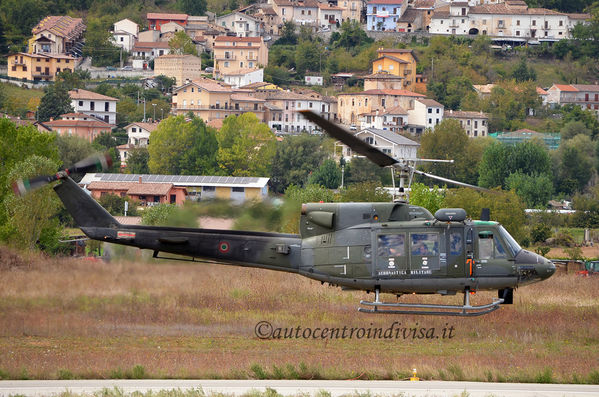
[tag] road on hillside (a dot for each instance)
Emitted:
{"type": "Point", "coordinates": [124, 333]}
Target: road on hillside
{"type": "Point", "coordinates": [295, 387]}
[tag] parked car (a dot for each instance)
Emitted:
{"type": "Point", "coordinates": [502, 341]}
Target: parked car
{"type": "Point", "coordinates": [128, 67]}
{"type": "Point", "coordinates": [110, 68]}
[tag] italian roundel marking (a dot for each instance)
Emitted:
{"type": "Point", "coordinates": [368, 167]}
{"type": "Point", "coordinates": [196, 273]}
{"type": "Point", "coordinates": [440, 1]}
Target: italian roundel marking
{"type": "Point", "coordinates": [223, 247]}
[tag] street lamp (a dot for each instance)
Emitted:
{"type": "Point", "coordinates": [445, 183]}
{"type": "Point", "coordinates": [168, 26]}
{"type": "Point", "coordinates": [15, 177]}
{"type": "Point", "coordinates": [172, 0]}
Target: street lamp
{"type": "Point", "coordinates": [154, 105]}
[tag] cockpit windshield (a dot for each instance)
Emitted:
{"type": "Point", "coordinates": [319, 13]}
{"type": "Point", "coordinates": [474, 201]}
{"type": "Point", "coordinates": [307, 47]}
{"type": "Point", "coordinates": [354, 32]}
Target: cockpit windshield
{"type": "Point", "coordinates": [512, 244]}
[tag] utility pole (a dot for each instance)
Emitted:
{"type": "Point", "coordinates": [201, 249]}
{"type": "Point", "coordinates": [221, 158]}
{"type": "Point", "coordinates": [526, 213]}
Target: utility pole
{"type": "Point", "coordinates": [154, 106]}
{"type": "Point", "coordinates": [144, 110]}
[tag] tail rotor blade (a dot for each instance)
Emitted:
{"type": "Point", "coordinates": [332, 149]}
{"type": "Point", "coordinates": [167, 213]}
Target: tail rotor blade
{"type": "Point", "coordinates": [24, 186]}
{"type": "Point", "coordinates": [96, 162]}
{"type": "Point", "coordinates": [92, 163]}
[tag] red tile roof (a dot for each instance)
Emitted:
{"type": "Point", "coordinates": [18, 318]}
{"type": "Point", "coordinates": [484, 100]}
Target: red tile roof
{"type": "Point", "coordinates": [78, 93]}
{"type": "Point", "coordinates": [239, 39]}
{"type": "Point", "coordinates": [159, 15]}
{"type": "Point", "coordinates": [565, 87]}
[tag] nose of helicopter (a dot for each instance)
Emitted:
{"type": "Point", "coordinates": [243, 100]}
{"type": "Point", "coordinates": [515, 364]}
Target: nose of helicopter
{"type": "Point", "coordinates": [532, 267]}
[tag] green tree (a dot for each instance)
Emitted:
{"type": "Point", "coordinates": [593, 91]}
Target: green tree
{"type": "Point", "coordinates": [352, 37]}
{"type": "Point", "coordinates": [169, 215]}
{"type": "Point", "coordinates": [246, 146]}
{"type": "Point", "coordinates": [295, 157]}
{"type": "Point", "coordinates": [449, 141]}
{"type": "Point", "coordinates": [74, 79]}
{"type": "Point", "coordinates": [500, 160]}
{"type": "Point", "coordinates": [365, 192]}
{"type": "Point", "coordinates": [181, 43]}
{"type": "Point", "coordinates": [179, 147]}
{"type": "Point", "coordinates": [27, 218]}
{"type": "Point", "coordinates": [165, 83]}
{"type": "Point", "coordinates": [116, 205]}
{"type": "Point", "coordinates": [540, 232]}
{"type": "Point", "coordinates": [575, 169]}
{"type": "Point", "coordinates": [309, 194]}
{"type": "Point", "coordinates": [193, 7]}
{"type": "Point", "coordinates": [360, 170]}
{"type": "Point", "coordinates": [534, 190]}
{"type": "Point", "coordinates": [137, 161]}
{"type": "Point", "coordinates": [327, 175]}
{"type": "Point", "coordinates": [277, 75]}
{"type": "Point", "coordinates": [73, 149]}
{"type": "Point", "coordinates": [522, 72]}
{"type": "Point", "coordinates": [288, 35]}
{"type": "Point", "coordinates": [56, 101]}
{"type": "Point", "coordinates": [505, 207]}
{"type": "Point", "coordinates": [98, 42]}
{"type": "Point", "coordinates": [573, 128]}
{"type": "Point", "coordinates": [430, 198]}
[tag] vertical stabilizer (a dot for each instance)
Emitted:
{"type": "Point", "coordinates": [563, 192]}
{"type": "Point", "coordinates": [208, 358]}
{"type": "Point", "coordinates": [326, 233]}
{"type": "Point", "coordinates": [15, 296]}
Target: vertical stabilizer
{"type": "Point", "coordinates": [83, 208]}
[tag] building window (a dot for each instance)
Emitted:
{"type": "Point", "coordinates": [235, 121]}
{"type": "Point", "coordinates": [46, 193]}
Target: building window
{"type": "Point", "coordinates": [238, 189]}
{"type": "Point", "coordinates": [80, 103]}
{"type": "Point", "coordinates": [430, 110]}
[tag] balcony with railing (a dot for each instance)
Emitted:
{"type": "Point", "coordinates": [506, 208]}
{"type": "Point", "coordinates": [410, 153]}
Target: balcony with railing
{"type": "Point", "coordinates": [226, 58]}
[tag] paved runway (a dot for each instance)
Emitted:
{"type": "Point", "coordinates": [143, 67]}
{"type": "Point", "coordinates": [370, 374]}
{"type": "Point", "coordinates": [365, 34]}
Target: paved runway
{"type": "Point", "coordinates": [294, 387]}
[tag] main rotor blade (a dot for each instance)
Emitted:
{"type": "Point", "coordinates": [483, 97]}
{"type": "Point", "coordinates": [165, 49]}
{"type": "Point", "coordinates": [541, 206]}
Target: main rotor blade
{"type": "Point", "coordinates": [440, 178]}
{"type": "Point", "coordinates": [95, 162]}
{"type": "Point", "coordinates": [356, 144]}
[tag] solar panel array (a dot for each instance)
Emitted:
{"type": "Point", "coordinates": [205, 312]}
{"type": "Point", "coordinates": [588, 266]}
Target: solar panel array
{"type": "Point", "coordinates": [178, 179]}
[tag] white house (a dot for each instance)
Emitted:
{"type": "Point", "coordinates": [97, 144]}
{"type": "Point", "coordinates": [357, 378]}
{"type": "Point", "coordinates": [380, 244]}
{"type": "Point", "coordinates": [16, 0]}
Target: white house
{"type": "Point", "coordinates": [125, 33]}
{"type": "Point", "coordinates": [427, 113]}
{"type": "Point", "coordinates": [97, 105]}
{"type": "Point", "coordinates": [329, 17]}
{"type": "Point", "coordinates": [394, 119]}
{"type": "Point", "coordinates": [239, 78]}
{"type": "Point", "coordinates": [476, 124]}
{"type": "Point", "coordinates": [390, 143]}
{"type": "Point", "coordinates": [512, 20]}
{"type": "Point", "coordinates": [241, 24]}
{"type": "Point", "coordinates": [139, 133]}
{"type": "Point", "coordinates": [313, 80]}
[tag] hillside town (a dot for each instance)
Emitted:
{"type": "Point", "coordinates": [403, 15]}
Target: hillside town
{"type": "Point", "coordinates": [273, 59]}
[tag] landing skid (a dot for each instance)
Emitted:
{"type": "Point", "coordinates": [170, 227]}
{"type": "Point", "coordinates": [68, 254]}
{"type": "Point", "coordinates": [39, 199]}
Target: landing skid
{"type": "Point", "coordinates": [465, 310]}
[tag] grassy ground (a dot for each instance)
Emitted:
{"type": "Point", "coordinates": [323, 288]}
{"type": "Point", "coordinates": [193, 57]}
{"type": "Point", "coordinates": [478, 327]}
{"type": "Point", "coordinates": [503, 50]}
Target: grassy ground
{"type": "Point", "coordinates": [19, 100]}
{"type": "Point", "coordinates": [80, 319]}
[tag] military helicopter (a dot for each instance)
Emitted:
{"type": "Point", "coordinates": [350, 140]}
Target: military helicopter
{"type": "Point", "coordinates": [394, 248]}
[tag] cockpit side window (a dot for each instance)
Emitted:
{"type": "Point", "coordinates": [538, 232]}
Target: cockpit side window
{"type": "Point", "coordinates": [391, 245]}
{"type": "Point", "coordinates": [490, 246]}
{"type": "Point", "coordinates": [455, 243]}
{"type": "Point", "coordinates": [425, 244]}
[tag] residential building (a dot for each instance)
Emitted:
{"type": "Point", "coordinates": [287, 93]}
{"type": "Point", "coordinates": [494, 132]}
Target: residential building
{"type": "Point", "coordinates": [313, 80]}
{"type": "Point", "coordinates": [139, 133]}
{"type": "Point", "coordinates": [181, 67]}
{"type": "Point", "coordinates": [476, 124]}
{"type": "Point", "coordinates": [511, 20]}
{"type": "Point", "coordinates": [396, 62]}
{"type": "Point", "coordinates": [394, 119]}
{"type": "Point", "coordinates": [57, 35]}
{"type": "Point", "coordinates": [93, 104]}
{"type": "Point", "coordinates": [351, 9]}
{"type": "Point", "coordinates": [243, 77]}
{"type": "Point", "coordinates": [390, 143]}
{"type": "Point", "coordinates": [156, 20]}
{"type": "Point", "coordinates": [329, 17]}
{"type": "Point", "coordinates": [241, 24]}
{"type": "Point", "coordinates": [271, 22]}
{"type": "Point", "coordinates": [235, 53]}
{"type": "Point", "coordinates": [146, 194]}
{"type": "Point", "coordinates": [124, 34]}
{"type": "Point", "coordinates": [412, 20]}
{"type": "Point", "coordinates": [212, 100]}
{"type": "Point", "coordinates": [149, 36]}
{"type": "Point", "coordinates": [149, 51]}
{"type": "Point", "coordinates": [383, 15]}
{"type": "Point", "coordinates": [305, 12]}
{"type": "Point", "coordinates": [426, 113]}
{"type": "Point", "coordinates": [78, 124]}
{"type": "Point", "coordinates": [351, 105]}
{"type": "Point", "coordinates": [283, 8]}
{"type": "Point", "coordinates": [584, 95]}
{"type": "Point", "coordinates": [197, 188]}
{"type": "Point", "coordinates": [38, 67]}
{"type": "Point", "coordinates": [282, 110]}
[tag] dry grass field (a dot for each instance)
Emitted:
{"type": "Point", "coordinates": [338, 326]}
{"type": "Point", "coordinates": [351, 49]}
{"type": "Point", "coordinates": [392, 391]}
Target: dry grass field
{"type": "Point", "coordinates": [73, 318]}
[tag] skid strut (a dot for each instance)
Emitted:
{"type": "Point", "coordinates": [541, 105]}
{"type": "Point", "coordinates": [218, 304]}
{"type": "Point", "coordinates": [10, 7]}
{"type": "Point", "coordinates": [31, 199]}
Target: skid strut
{"type": "Point", "coordinates": [465, 310]}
